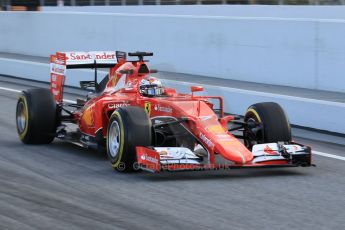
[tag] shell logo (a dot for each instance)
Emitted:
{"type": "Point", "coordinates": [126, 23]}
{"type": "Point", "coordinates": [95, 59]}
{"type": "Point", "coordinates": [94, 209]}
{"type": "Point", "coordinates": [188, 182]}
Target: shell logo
{"type": "Point", "coordinates": [216, 129]}
{"type": "Point", "coordinates": [88, 117]}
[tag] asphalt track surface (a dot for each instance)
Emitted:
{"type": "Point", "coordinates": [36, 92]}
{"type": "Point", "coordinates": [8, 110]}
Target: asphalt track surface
{"type": "Point", "coordinates": [62, 186]}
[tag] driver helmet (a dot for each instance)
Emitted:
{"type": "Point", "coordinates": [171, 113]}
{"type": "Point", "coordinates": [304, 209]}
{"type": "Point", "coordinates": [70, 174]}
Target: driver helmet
{"type": "Point", "coordinates": [151, 86]}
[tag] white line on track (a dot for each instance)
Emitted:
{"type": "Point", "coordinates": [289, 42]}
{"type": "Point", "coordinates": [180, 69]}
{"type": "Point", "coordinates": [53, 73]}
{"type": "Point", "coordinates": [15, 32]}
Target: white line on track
{"type": "Point", "coordinates": [11, 90]}
{"type": "Point", "coordinates": [328, 155]}
{"type": "Point", "coordinates": [19, 91]}
{"type": "Point", "coordinates": [314, 152]}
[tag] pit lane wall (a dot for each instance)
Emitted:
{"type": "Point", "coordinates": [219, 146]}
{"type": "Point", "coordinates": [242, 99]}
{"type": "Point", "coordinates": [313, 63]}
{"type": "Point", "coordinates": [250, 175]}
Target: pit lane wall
{"type": "Point", "coordinates": [298, 53]}
{"type": "Point", "coordinates": [278, 11]}
{"type": "Point", "coordinates": [301, 111]}
{"type": "Point", "coordinates": [306, 53]}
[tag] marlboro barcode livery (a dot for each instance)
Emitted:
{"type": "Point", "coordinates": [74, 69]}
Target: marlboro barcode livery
{"type": "Point", "coordinates": [143, 124]}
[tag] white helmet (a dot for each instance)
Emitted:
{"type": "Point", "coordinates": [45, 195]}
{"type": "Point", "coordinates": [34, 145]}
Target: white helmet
{"type": "Point", "coordinates": [151, 86]}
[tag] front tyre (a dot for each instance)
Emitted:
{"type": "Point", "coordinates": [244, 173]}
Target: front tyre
{"type": "Point", "coordinates": [36, 117]}
{"type": "Point", "coordinates": [128, 128]}
{"type": "Point", "coordinates": [273, 125]}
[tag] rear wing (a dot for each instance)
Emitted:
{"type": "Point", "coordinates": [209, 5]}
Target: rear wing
{"type": "Point", "coordinates": [61, 61]}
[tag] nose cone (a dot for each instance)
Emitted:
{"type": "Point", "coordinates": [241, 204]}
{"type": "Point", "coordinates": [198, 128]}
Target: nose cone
{"type": "Point", "coordinates": [233, 150]}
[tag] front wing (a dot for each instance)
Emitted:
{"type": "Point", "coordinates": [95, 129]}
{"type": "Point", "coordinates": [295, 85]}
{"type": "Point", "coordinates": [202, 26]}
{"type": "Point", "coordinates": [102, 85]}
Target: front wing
{"type": "Point", "coordinates": [182, 159]}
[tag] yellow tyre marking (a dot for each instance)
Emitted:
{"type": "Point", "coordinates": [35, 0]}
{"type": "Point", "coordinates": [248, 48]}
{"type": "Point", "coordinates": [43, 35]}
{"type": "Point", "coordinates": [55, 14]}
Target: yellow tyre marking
{"type": "Point", "coordinates": [255, 113]}
{"type": "Point", "coordinates": [116, 113]}
{"type": "Point", "coordinates": [23, 134]}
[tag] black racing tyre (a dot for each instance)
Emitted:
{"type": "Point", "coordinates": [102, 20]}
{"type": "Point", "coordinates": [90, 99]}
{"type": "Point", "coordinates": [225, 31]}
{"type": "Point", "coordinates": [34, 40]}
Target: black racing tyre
{"type": "Point", "coordinates": [128, 127]}
{"type": "Point", "coordinates": [275, 126]}
{"type": "Point", "coordinates": [36, 116]}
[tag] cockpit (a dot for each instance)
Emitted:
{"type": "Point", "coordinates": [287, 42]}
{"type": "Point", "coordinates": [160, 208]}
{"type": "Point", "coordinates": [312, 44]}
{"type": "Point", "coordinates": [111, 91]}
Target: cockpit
{"type": "Point", "coordinates": [151, 87]}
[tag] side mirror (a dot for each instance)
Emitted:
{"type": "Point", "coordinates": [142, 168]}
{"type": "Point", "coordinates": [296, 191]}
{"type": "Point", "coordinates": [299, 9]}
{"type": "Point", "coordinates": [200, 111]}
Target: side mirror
{"type": "Point", "coordinates": [197, 88]}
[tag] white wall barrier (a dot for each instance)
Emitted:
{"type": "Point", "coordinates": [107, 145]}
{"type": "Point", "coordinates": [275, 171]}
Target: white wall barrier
{"type": "Point", "coordinates": [307, 53]}
{"type": "Point", "coordinates": [278, 11]}
{"type": "Point", "coordinates": [295, 52]}
{"type": "Point", "coordinates": [301, 111]}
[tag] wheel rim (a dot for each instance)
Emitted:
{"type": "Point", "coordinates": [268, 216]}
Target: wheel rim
{"type": "Point", "coordinates": [21, 117]}
{"type": "Point", "coordinates": [114, 139]}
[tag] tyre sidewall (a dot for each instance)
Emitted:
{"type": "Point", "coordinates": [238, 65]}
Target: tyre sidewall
{"type": "Point", "coordinates": [276, 126]}
{"type": "Point", "coordinates": [41, 116]}
{"type": "Point", "coordinates": [135, 130]}
{"type": "Point", "coordinates": [116, 117]}
{"type": "Point", "coordinates": [23, 136]}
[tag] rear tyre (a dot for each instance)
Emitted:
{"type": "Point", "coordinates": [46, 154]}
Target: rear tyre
{"type": "Point", "coordinates": [128, 127]}
{"type": "Point", "coordinates": [36, 117]}
{"type": "Point", "coordinates": [274, 124]}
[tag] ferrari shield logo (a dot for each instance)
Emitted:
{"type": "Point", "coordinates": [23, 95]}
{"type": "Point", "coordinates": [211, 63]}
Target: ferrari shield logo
{"type": "Point", "coordinates": [148, 107]}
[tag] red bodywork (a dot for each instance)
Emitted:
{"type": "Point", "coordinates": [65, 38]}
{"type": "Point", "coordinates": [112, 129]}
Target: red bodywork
{"type": "Point", "coordinates": [210, 129]}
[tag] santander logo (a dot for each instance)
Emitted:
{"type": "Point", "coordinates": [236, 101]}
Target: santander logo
{"type": "Point", "coordinates": [76, 56]}
{"type": "Point", "coordinates": [149, 158]}
{"type": "Point", "coordinates": [79, 56]}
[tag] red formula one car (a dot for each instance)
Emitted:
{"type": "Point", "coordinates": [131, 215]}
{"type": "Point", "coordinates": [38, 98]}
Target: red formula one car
{"type": "Point", "coordinates": [143, 125]}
